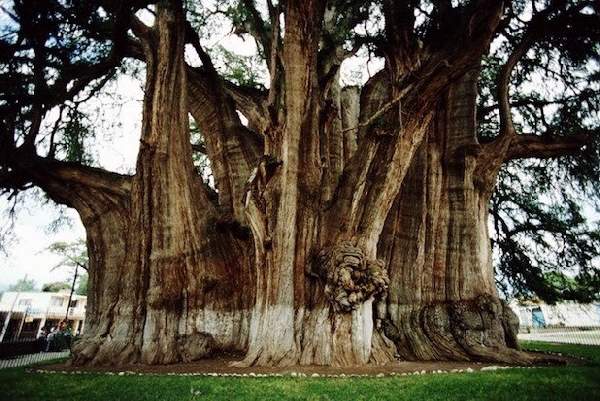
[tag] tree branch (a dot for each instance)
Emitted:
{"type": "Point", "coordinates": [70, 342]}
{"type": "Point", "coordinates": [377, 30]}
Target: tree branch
{"type": "Point", "coordinates": [546, 146]}
{"type": "Point", "coordinates": [75, 174]}
{"type": "Point", "coordinates": [530, 101]}
{"type": "Point", "coordinates": [258, 29]}
{"type": "Point", "coordinates": [87, 189]}
{"type": "Point", "coordinates": [226, 97]}
{"type": "Point", "coordinates": [497, 151]}
{"type": "Point", "coordinates": [251, 102]}
{"type": "Point", "coordinates": [534, 31]}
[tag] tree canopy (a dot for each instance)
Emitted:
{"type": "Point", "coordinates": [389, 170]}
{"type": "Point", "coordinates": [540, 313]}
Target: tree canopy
{"type": "Point", "coordinates": [55, 286]}
{"type": "Point", "coordinates": [24, 285]}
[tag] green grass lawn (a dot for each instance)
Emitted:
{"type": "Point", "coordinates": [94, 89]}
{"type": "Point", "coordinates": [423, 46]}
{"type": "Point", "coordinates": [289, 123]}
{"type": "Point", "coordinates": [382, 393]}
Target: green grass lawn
{"type": "Point", "coordinates": [547, 384]}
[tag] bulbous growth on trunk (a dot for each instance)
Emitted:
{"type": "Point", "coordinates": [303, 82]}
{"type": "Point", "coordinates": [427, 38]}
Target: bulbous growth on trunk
{"type": "Point", "coordinates": [350, 279]}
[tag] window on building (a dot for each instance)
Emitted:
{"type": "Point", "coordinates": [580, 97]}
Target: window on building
{"type": "Point", "coordinates": [24, 302]}
{"type": "Point", "coordinates": [56, 301]}
{"type": "Point", "coordinates": [73, 303]}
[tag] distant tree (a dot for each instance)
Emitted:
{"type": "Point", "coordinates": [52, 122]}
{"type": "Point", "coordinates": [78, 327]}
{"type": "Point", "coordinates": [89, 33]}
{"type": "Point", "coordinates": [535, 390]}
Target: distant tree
{"type": "Point", "coordinates": [73, 254]}
{"type": "Point", "coordinates": [82, 286]}
{"type": "Point", "coordinates": [23, 284]}
{"type": "Point", "coordinates": [55, 286]}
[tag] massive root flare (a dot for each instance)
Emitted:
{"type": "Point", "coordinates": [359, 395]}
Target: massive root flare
{"type": "Point", "coordinates": [482, 329]}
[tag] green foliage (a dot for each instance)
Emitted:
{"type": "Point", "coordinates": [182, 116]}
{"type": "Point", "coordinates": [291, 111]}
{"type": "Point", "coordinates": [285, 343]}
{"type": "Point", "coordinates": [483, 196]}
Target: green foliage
{"type": "Point", "coordinates": [45, 46]}
{"type": "Point", "coordinates": [546, 246]}
{"type": "Point", "coordinates": [55, 286]}
{"type": "Point", "coordinates": [73, 254]}
{"type": "Point", "coordinates": [23, 285]}
{"type": "Point", "coordinates": [239, 15]}
{"type": "Point", "coordinates": [546, 233]}
{"type": "Point", "coordinates": [82, 285]}
{"type": "Point", "coordinates": [248, 71]}
{"type": "Point", "coordinates": [74, 134]}
{"type": "Point", "coordinates": [545, 251]}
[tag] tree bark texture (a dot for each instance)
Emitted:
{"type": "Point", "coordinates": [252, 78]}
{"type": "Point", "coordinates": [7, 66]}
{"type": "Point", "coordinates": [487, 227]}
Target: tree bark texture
{"type": "Point", "coordinates": [443, 302]}
{"type": "Point", "coordinates": [177, 288]}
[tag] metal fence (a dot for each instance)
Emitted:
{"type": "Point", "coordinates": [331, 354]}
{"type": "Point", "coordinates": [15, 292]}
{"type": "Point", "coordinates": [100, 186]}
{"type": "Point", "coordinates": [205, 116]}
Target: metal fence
{"type": "Point", "coordinates": [23, 353]}
{"type": "Point", "coordinates": [585, 335]}
{"type": "Point", "coordinates": [30, 359]}
{"type": "Point", "coordinates": [566, 322]}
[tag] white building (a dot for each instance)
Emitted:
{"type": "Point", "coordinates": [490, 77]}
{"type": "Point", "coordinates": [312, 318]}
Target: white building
{"type": "Point", "coordinates": [563, 314]}
{"type": "Point", "coordinates": [25, 314]}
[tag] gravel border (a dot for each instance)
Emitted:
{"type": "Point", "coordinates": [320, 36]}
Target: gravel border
{"type": "Point", "coordinates": [288, 375]}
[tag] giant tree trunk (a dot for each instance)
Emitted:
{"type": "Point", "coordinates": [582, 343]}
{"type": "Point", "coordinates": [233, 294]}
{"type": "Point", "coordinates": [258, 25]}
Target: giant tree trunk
{"type": "Point", "coordinates": [332, 277]}
{"type": "Point", "coordinates": [181, 289]}
{"type": "Point", "coordinates": [315, 287]}
{"type": "Point", "coordinates": [443, 302]}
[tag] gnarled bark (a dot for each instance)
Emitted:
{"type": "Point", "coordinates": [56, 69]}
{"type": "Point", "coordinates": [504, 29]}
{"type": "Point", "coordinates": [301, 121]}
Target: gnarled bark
{"type": "Point", "coordinates": [443, 303]}
{"type": "Point", "coordinates": [180, 293]}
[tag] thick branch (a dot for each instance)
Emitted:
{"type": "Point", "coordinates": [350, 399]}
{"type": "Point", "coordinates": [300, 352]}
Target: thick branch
{"type": "Point", "coordinates": [232, 148]}
{"type": "Point", "coordinates": [91, 191]}
{"type": "Point", "coordinates": [251, 102]}
{"type": "Point", "coordinates": [547, 146]}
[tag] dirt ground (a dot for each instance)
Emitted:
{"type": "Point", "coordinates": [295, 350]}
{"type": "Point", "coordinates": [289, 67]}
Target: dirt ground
{"type": "Point", "coordinates": [221, 364]}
